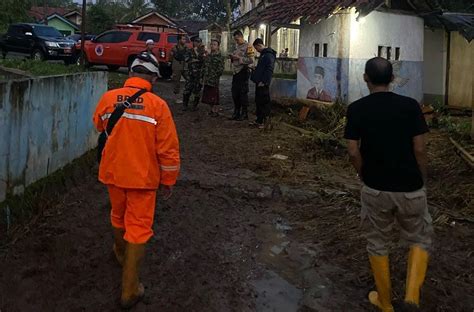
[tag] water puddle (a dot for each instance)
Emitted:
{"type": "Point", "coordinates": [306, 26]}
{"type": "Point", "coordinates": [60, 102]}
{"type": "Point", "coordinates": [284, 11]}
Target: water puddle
{"type": "Point", "coordinates": [290, 279]}
{"type": "Point", "coordinates": [275, 294]}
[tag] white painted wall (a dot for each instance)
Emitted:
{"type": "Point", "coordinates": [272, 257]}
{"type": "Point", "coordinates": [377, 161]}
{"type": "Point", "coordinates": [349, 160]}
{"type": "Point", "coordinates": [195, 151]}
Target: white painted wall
{"type": "Point", "coordinates": [334, 31]}
{"type": "Point", "coordinates": [387, 29]}
{"type": "Point", "coordinates": [434, 67]}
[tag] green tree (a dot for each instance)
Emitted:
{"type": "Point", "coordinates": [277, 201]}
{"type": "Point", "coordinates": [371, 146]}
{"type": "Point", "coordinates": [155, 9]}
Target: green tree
{"type": "Point", "coordinates": [210, 10]}
{"type": "Point", "coordinates": [55, 3]}
{"type": "Point", "coordinates": [13, 11]}
{"type": "Point", "coordinates": [136, 8]}
{"type": "Point", "coordinates": [98, 19]}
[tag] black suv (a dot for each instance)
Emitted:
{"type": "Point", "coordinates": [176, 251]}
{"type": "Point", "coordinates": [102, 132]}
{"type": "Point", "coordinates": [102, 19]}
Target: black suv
{"type": "Point", "coordinates": [40, 42]}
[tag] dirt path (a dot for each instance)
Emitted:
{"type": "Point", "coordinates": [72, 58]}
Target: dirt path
{"type": "Point", "coordinates": [244, 232]}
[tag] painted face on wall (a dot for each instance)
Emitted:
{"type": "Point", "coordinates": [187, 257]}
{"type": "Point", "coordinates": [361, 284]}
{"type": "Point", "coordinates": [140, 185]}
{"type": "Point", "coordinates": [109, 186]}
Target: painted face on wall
{"type": "Point", "coordinates": [319, 81]}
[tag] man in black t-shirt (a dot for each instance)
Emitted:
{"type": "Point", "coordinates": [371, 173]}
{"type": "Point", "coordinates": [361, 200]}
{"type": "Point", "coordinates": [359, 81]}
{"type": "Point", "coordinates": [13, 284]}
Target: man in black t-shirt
{"type": "Point", "coordinates": [386, 143]}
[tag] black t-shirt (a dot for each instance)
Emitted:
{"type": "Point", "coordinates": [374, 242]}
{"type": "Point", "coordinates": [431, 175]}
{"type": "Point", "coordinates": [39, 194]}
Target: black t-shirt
{"type": "Point", "coordinates": [386, 123]}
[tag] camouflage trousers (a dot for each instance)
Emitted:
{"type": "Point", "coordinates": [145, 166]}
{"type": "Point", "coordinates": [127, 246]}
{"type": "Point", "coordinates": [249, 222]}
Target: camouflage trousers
{"type": "Point", "coordinates": [193, 85]}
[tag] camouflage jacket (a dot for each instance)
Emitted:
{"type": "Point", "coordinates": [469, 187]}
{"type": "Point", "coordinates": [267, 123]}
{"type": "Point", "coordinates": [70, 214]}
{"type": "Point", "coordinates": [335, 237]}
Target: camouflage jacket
{"type": "Point", "coordinates": [213, 69]}
{"type": "Point", "coordinates": [180, 53]}
{"type": "Point", "coordinates": [195, 61]}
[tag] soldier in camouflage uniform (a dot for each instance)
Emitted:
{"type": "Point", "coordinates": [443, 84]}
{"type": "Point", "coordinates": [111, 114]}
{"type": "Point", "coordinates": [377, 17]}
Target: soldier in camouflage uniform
{"type": "Point", "coordinates": [178, 55]}
{"type": "Point", "coordinates": [213, 69]}
{"type": "Point", "coordinates": [194, 73]}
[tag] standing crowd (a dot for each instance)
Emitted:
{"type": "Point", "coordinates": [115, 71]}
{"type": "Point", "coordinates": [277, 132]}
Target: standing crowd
{"type": "Point", "coordinates": [202, 70]}
{"type": "Point", "coordinates": [386, 143]}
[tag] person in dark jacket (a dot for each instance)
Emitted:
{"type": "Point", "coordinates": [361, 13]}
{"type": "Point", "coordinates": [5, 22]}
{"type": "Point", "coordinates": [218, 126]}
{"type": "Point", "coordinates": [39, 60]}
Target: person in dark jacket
{"type": "Point", "coordinates": [262, 77]}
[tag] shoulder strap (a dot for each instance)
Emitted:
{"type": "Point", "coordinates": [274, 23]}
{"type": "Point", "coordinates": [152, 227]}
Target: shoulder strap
{"type": "Point", "coordinates": [120, 109]}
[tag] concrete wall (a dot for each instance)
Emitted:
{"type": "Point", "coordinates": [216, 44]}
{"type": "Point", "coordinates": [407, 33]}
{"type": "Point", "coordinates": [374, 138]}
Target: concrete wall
{"type": "Point", "coordinates": [334, 31]}
{"type": "Point", "coordinates": [282, 66]}
{"type": "Point", "coordinates": [434, 66]}
{"type": "Point", "coordinates": [45, 123]}
{"type": "Point", "coordinates": [283, 88]}
{"type": "Point", "coordinates": [387, 29]}
{"type": "Point", "coordinates": [351, 43]}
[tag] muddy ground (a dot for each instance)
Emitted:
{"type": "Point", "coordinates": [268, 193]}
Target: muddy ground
{"type": "Point", "coordinates": [243, 232]}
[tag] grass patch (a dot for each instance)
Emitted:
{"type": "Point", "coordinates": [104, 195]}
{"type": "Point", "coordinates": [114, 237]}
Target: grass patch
{"type": "Point", "coordinates": [116, 80]}
{"type": "Point", "coordinates": [38, 68]}
{"type": "Point", "coordinates": [28, 207]}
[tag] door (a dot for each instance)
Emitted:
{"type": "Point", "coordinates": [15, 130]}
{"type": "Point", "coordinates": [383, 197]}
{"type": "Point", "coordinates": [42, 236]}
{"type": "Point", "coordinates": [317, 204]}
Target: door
{"type": "Point", "coordinates": [27, 41]}
{"type": "Point", "coordinates": [461, 67]}
{"type": "Point", "coordinates": [119, 48]}
{"type": "Point", "coordinates": [98, 53]}
{"type": "Point", "coordinates": [16, 39]}
{"type": "Point", "coordinates": [110, 49]}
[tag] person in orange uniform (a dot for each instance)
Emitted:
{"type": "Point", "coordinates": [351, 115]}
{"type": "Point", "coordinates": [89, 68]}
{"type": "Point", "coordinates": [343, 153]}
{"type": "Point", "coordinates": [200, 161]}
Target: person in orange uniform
{"type": "Point", "coordinates": [140, 155]}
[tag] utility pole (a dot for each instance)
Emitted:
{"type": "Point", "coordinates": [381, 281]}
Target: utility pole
{"type": "Point", "coordinates": [45, 11]}
{"type": "Point", "coordinates": [83, 30]}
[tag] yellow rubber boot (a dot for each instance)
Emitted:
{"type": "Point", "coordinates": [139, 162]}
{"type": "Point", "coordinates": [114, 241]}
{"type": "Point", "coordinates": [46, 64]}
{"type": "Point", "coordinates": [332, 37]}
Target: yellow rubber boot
{"type": "Point", "coordinates": [382, 298]}
{"type": "Point", "coordinates": [132, 289]}
{"type": "Point", "coordinates": [119, 244]}
{"type": "Point", "coordinates": [416, 272]}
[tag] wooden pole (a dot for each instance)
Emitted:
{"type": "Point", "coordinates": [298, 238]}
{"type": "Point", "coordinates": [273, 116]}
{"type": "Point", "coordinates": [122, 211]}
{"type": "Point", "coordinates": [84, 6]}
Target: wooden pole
{"type": "Point", "coordinates": [45, 11]}
{"type": "Point", "coordinates": [83, 30]}
{"type": "Point", "coordinates": [463, 153]}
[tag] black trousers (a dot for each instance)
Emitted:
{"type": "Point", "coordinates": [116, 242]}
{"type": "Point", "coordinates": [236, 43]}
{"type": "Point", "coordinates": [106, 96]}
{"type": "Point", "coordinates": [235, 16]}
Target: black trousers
{"type": "Point", "coordinates": [240, 92]}
{"type": "Point", "coordinates": [263, 103]}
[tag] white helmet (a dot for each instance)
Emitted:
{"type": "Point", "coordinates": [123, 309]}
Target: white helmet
{"type": "Point", "coordinates": [148, 61]}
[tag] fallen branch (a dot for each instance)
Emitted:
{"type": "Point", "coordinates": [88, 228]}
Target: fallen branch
{"type": "Point", "coordinates": [463, 153]}
{"type": "Point", "coordinates": [300, 130]}
{"type": "Point", "coordinates": [321, 136]}
{"type": "Point", "coordinates": [284, 101]}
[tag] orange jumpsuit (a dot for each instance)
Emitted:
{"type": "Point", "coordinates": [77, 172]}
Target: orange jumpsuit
{"type": "Point", "coordinates": [141, 153]}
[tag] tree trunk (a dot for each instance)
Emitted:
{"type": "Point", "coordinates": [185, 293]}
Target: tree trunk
{"type": "Point", "coordinates": [228, 16]}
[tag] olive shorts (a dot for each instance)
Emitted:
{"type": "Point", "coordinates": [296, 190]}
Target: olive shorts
{"type": "Point", "coordinates": [380, 210]}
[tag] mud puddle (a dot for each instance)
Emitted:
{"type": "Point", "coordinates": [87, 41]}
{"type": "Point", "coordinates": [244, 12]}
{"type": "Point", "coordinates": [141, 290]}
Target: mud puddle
{"type": "Point", "coordinates": [290, 279]}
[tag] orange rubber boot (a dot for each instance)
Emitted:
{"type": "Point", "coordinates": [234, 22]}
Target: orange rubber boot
{"type": "Point", "coordinates": [132, 290]}
{"type": "Point", "coordinates": [119, 244]}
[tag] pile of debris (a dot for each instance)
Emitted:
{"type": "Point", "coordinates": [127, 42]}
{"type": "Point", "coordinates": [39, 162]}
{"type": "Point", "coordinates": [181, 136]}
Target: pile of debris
{"type": "Point", "coordinates": [322, 123]}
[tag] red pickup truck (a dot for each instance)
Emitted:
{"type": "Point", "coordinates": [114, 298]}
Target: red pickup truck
{"type": "Point", "coordinates": [119, 47]}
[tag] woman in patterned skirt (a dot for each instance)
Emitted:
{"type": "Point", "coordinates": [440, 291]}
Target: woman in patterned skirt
{"type": "Point", "coordinates": [213, 69]}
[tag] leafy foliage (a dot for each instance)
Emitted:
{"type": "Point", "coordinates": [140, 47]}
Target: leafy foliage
{"type": "Point", "coordinates": [99, 19]}
{"type": "Point", "coordinates": [210, 10]}
{"type": "Point", "coordinates": [13, 11]}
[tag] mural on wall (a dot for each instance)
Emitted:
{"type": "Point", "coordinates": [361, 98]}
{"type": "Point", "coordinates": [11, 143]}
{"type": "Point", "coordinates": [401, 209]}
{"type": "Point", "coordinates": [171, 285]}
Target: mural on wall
{"type": "Point", "coordinates": [408, 79]}
{"type": "Point", "coordinates": [322, 79]}
{"type": "Point", "coordinates": [327, 79]}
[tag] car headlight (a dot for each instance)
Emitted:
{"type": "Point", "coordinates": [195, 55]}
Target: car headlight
{"type": "Point", "coordinates": [52, 44]}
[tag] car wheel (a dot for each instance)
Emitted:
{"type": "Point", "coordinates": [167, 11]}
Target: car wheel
{"type": "Point", "coordinates": [113, 67]}
{"type": "Point", "coordinates": [37, 55]}
{"type": "Point", "coordinates": [87, 64]}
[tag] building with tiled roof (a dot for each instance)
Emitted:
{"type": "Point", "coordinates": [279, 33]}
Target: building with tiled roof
{"type": "Point", "coordinates": [334, 39]}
